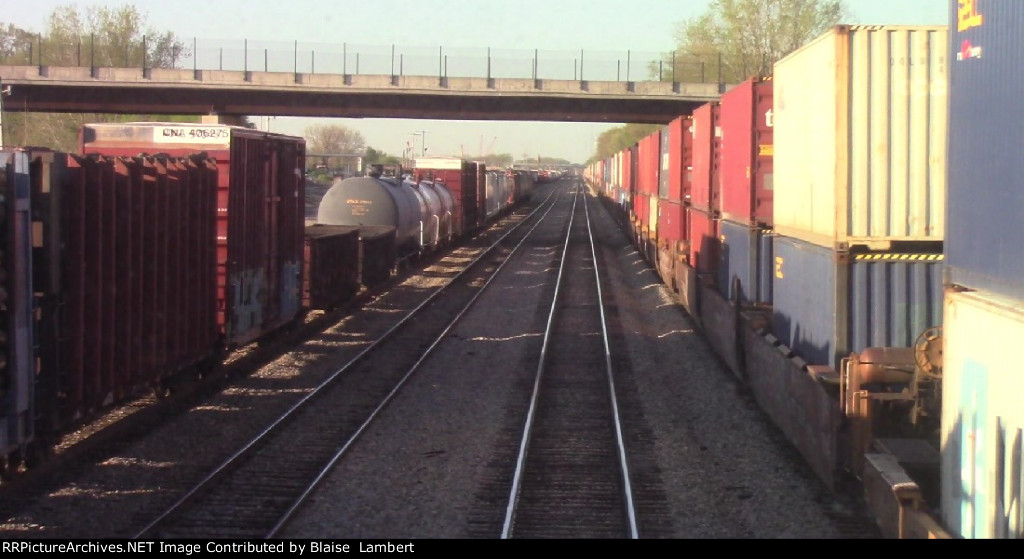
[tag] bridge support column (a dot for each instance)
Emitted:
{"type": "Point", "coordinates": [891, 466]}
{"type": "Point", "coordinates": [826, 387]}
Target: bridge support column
{"type": "Point", "coordinates": [231, 120]}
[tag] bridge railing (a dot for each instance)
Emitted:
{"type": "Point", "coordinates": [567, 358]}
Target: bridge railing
{"type": "Point", "coordinates": [355, 59]}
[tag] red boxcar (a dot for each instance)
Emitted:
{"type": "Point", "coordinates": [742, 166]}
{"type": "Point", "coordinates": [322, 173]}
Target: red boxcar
{"type": "Point", "coordinates": [260, 213]}
{"type": "Point", "coordinates": [747, 153]}
{"type": "Point", "coordinates": [707, 151]}
{"type": "Point", "coordinates": [460, 177]}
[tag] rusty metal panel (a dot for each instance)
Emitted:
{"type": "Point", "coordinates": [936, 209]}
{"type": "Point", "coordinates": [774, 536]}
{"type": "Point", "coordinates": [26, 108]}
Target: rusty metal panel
{"type": "Point", "coordinates": [331, 276]}
{"type": "Point", "coordinates": [796, 402]}
{"type": "Point", "coordinates": [17, 352]}
{"type": "Point", "coordinates": [982, 461]}
{"type": "Point", "coordinates": [860, 137]}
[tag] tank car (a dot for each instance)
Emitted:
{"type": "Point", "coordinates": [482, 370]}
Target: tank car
{"type": "Point", "coordinates": [446, 216]}
{"type": "Point", "coordinates": [378, 201]}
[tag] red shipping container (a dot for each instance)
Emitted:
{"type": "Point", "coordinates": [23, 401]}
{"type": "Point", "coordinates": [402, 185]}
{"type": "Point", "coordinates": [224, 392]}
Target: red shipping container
{"type": "Point", "coordinates": [707, 154]}
{"type": "Point", "coordinates": [680, 159]}
{"type": "Point", "coordinates": [460, 177]}
{"type": "Point", "coordinates": [703, 237]}
{"type": "Point", "coordinates": [648, 164]}
{"type": "Point", "coordinates": [747, 153]}
{"type": "Point", "coordinates": [671, 222]}
{"type": "Point", "coordinates": [641, 208]}
{"type": "Point", "coordinates": [260, 213]}
{"type": "Point", "coordinates": [629, 177]}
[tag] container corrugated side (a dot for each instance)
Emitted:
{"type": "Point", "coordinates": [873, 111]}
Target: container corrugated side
{"type": "Point", "coordinates": [982, 417]}
{"type": "Point", "coordinates": [707, 152]}
{"type": "Point", "coordinates": [860, 137]}
{"type": "Point", "coordinates": [260, 212]}
{"type": "Point", "coordinates": [986, 171]}
{"type": "Point", "coordinates": [703, 237]}
{"type": "Point", "coordinates": [664, 168]}
{"type": "Point", "coordinates": [747, 181]}
{"type": "Point", "coordinates": [680, 159]}
{"type": "Point", "coordinates": [18, 370]}
{"type": "Point", "coordinates": [828, 304]}
{"type": "Point", "coordinates": [649, 164]}
{"type": "Point", "coordinates": [739, 268]}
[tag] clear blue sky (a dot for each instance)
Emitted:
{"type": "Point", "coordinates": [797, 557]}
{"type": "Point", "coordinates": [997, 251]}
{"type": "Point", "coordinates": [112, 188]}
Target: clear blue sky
{"type": "Point", "coordinates": [638, 26]}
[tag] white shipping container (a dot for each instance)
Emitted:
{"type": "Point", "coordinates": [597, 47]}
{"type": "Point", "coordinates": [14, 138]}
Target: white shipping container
{"type": "Point", "coordinates": [982, 416]}
{"type": "Point", "coordinates": [860, 137]}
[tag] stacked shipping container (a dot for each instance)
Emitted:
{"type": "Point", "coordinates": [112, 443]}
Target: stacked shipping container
{"type": "Point", "coordinates": [745, 204]}
{"type": "Point", "coordinates": [859, 188]}
{"type": "Point", "coordinates": [982, 417]}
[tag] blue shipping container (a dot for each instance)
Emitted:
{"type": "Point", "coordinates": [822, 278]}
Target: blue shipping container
{"type": "Point", "coordinates": [827, 304]}
{"type": "Point", "coordinates": [743, 266]}
{"type": "Point", "coordinates": [984, 248]}
{"type": "Point", "coordinates": [17, 397]}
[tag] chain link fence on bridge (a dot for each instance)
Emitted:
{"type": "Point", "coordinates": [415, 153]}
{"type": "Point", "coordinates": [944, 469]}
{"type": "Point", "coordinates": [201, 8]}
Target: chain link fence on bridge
{"type": "Point", "coordinates": [355, 59]}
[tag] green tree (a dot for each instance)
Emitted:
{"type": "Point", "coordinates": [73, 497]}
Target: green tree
{"type": "Point", "coordinates": [738, 39]}
{"type": "Point", "coordinates": [102, 36]}
{"type": "Point", "coordinates": [615, 140]}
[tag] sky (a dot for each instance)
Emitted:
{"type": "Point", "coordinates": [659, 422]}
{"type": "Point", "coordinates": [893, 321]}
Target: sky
{"type": "Point", "coordinates": [602, 27]}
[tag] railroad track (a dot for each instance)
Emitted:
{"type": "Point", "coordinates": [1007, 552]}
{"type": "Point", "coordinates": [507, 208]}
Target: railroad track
{"type": "Point", "coordinates": [255, 491]}
{"type": "Point", "coordinates": [572, 475]}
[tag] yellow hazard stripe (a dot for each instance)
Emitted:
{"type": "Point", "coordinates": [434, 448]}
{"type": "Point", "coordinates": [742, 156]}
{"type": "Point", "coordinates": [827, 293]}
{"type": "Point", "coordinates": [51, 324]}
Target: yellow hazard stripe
{"type": "Point", "coordinates": [900, 257]}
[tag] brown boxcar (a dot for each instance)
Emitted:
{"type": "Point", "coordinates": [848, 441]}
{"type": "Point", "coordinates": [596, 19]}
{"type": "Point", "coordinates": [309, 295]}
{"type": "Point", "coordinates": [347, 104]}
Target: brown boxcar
{"type": "Point", "coordinates": [331, 276]}
{"type": "Point", "coordinates": [260, 213]}
{"type": "Point", "coordinates": [377, 254]}
{"type": "Point", "coordinates": [139, 293]}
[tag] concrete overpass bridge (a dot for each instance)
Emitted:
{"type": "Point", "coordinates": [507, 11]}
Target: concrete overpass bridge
{"type": "Point", "coordinates": [229, 94]}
